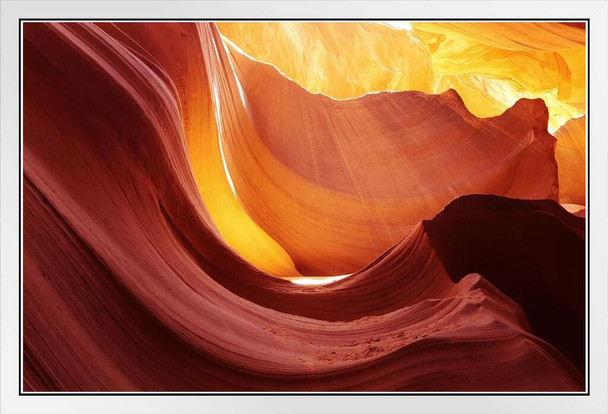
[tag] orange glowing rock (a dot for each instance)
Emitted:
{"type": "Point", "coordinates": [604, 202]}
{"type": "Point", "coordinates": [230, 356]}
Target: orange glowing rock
{"type": "Point", "coordinates": [200, 113]}
{"type": "Point", "coordinates": [342, 60]}
{"type": "Point", "coordinates": [491, 65]}
{"type": "Point", "coordinates": [336, 183]}
{"type": "Point", "coordinates": [503, 62]}
{"type": "Point", "coordinates": [301, 184]}
{"type": "Point", "coordinates": [570, 153]}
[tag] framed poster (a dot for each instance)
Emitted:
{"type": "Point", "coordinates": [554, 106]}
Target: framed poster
{"type": "Point", "coordinates": [261, 206]}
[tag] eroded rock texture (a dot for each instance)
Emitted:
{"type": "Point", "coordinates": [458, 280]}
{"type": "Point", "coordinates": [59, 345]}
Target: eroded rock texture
{"type": "Point", "coordinates": [491, 65]}
{"type": "Point", "coordinates": [174, 187]}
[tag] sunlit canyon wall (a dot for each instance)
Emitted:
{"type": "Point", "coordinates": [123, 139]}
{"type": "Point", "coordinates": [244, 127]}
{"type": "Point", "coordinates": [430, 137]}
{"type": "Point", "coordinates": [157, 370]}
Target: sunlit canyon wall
{"type": "Point", "coordinates": [293, 206]}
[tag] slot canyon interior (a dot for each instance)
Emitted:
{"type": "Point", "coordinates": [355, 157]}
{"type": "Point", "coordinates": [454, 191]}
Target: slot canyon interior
{"type": "Point", "coordinates": [304, 206]}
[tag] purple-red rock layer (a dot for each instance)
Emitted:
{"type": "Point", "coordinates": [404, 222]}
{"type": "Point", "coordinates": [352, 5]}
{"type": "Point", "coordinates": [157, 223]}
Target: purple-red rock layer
{"type": "Point", "coordinates": [129, 283]}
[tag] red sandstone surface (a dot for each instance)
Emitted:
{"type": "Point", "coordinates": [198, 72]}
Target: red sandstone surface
{"type": "Point", "coordinates": [467, 275]}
